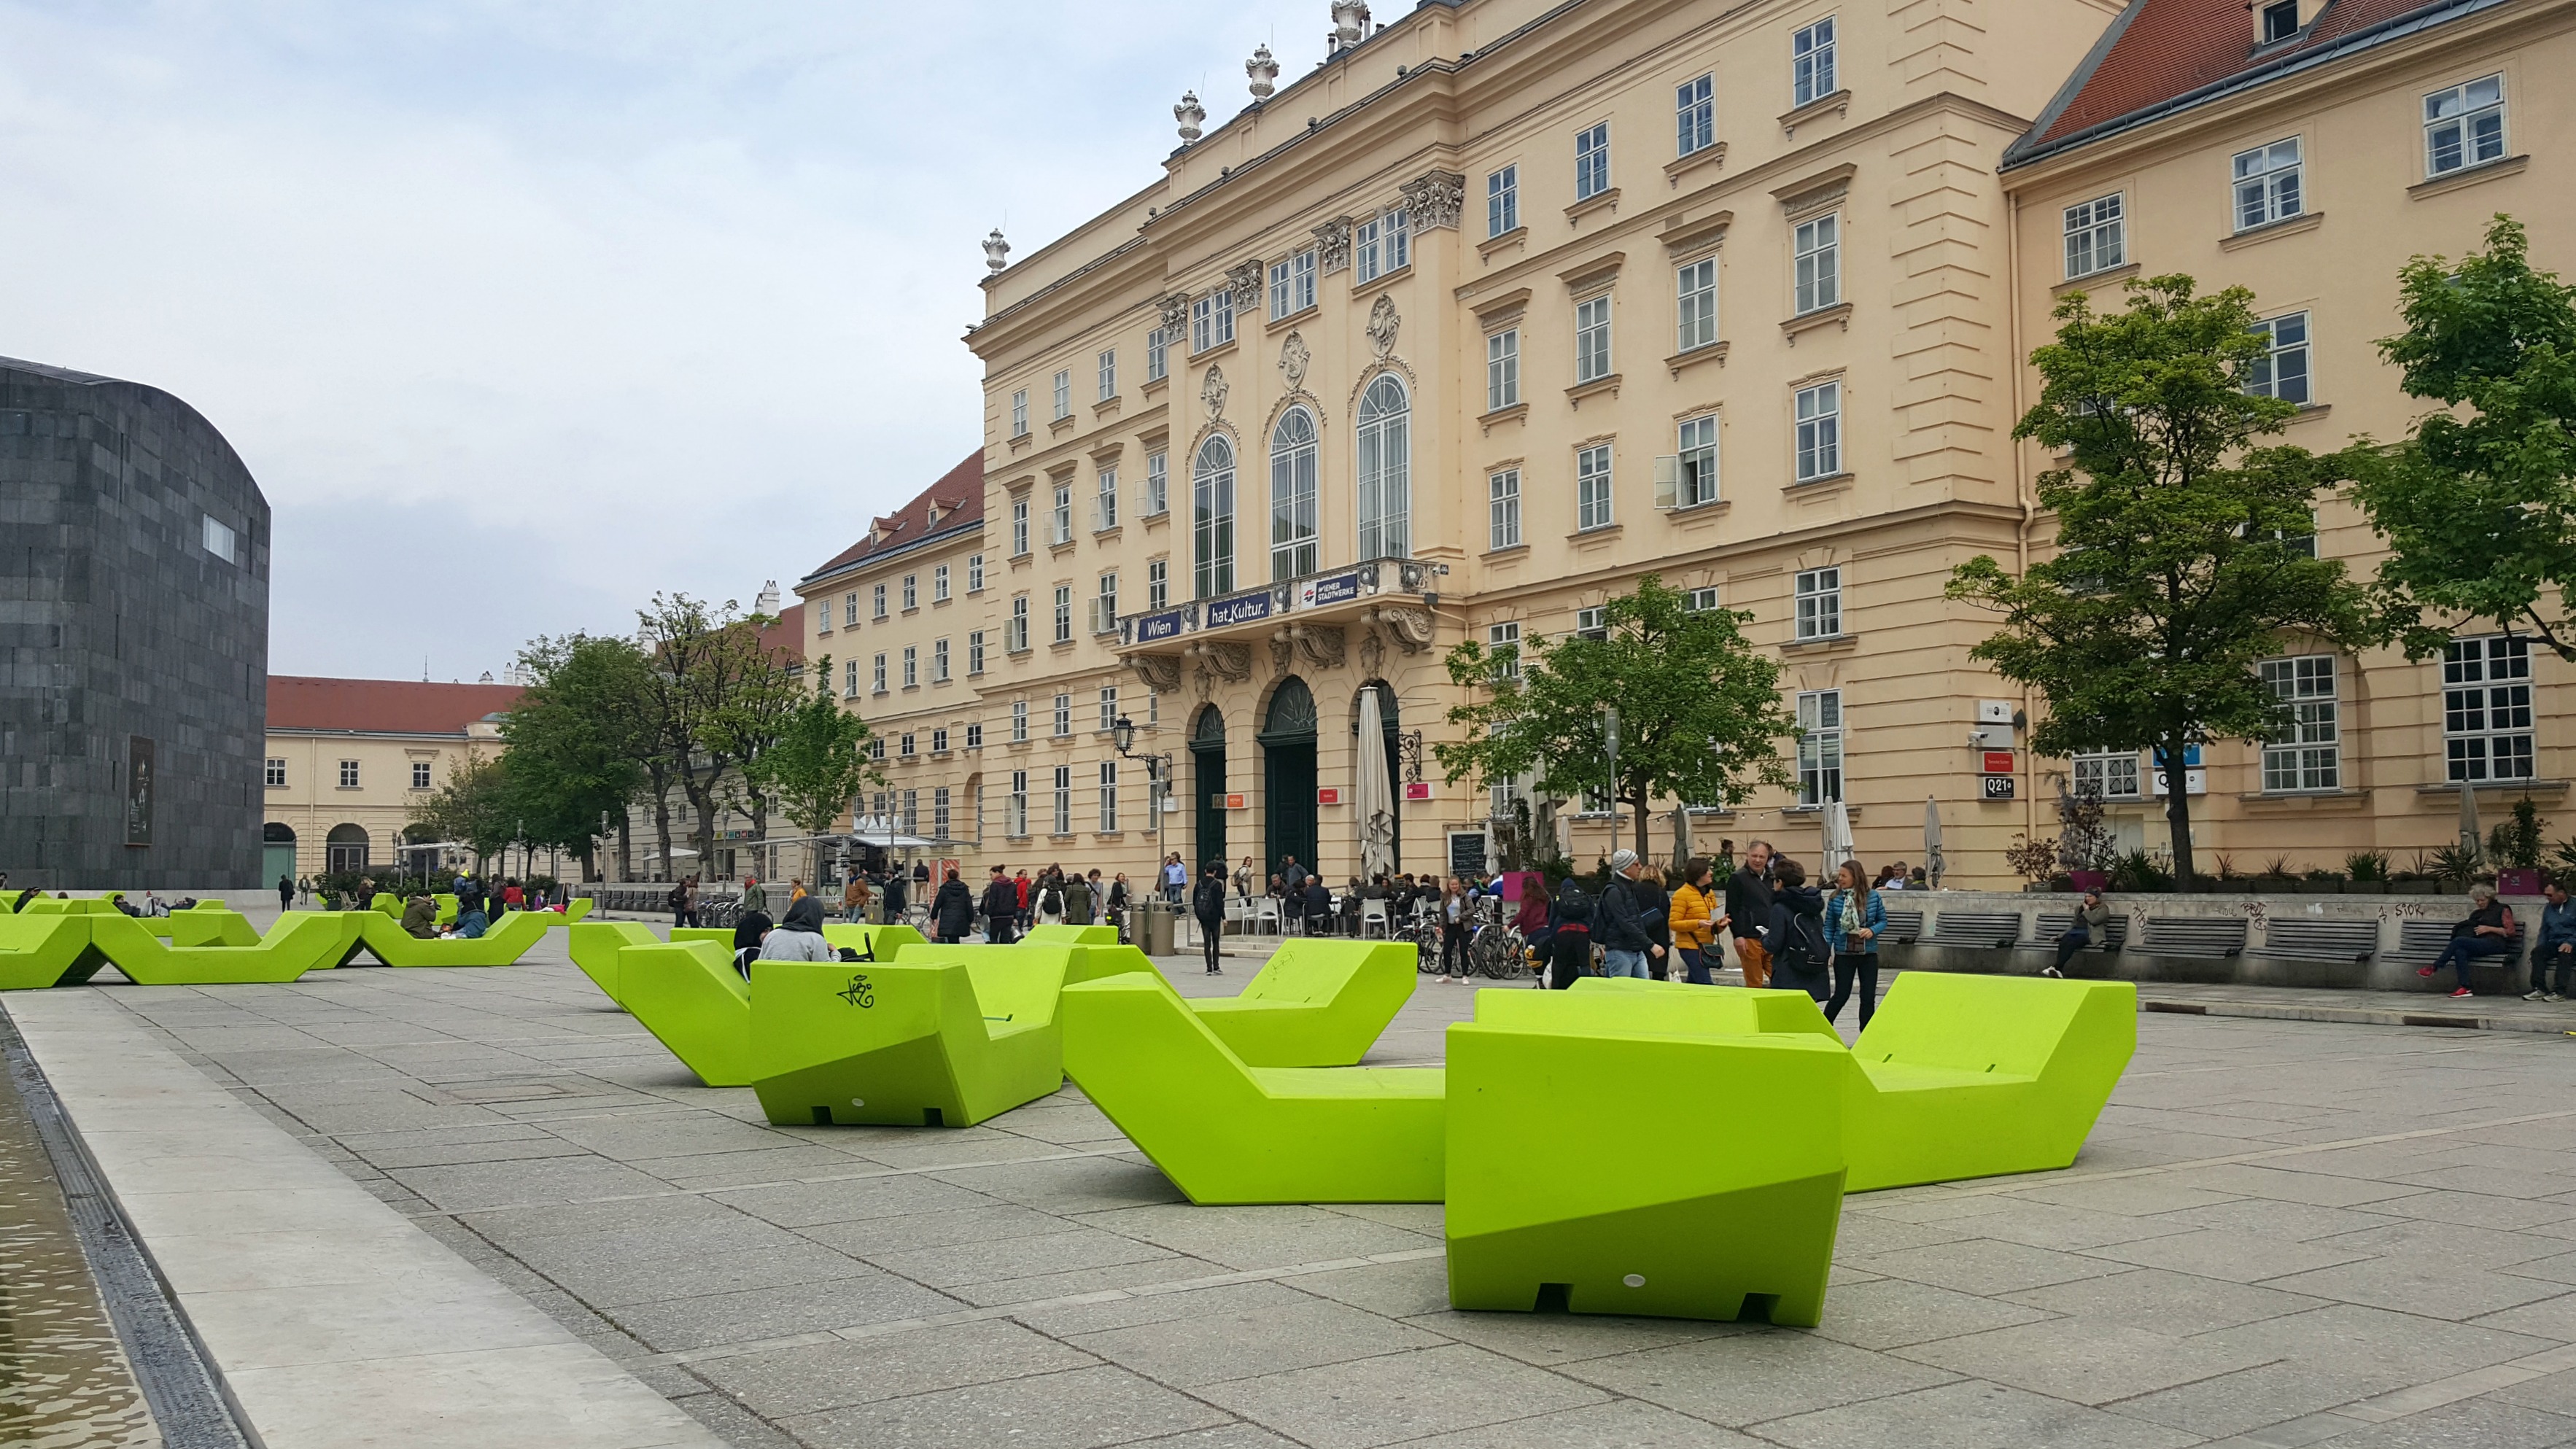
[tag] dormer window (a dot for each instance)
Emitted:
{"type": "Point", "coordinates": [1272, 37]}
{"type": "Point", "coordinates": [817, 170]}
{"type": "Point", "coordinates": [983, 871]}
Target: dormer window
{"type": "Point", "coordinates": [2278, 21]}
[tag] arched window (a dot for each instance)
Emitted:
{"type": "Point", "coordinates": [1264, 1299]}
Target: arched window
{"type": "Point", "coordinates": [1292, 496]}
{"type": "Point", "coordinates": [1212, 518]}
{"type": "Point", "coordinates": [1386, 469]}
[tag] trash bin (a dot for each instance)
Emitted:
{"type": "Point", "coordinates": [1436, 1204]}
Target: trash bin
{"type": "Point", "coordinates": [1149, 925]}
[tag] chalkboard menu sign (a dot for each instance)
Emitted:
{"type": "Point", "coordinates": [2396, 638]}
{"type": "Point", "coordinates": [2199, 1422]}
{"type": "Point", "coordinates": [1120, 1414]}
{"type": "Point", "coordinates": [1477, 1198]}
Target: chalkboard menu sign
{"type": "Point", "coordinates": [1467, 850]}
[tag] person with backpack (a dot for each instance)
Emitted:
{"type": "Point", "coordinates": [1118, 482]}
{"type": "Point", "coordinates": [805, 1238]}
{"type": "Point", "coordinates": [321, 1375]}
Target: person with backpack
{"type": "Point", "coordinates": [1569, 935]}
{"type": "Point", "coordinates": [1853, 920]}
{"type": "Point", "coordinates": [1748, 906]}
{"type": "Point", "coordinates": [1050, 898]}
{"type": "Point", "coordinates": [1627, 920]}
{"type": "Point", "coordinates": [1800, 957]}
{"type": "Point", "coordinates": [1001, 909]}
{"type": "Point", "coordinates": [1207, 904]}
{"type": "Point", "coordinates": [894, 902]}
{"type": "Point", "coordinates": [952, 911]}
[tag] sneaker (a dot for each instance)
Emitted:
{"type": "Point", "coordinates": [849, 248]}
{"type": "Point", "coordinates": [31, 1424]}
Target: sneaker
{"type": "Point", "coordinates": [2463, 991]}
{"type": "Point", "coordinates": [2426, 972]}
{"type": "Point", "coordinates": [2553, 996]}
{"type": "Point", "coordinates": [2533, 995]}
{"type": "Point", "coordinates": [2052, 971]}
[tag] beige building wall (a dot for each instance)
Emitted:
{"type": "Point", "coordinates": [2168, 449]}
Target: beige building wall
{"type": "Point", "coordinates": [2368, 206]}
{"type": "Point", "coordinates": [307, 773]}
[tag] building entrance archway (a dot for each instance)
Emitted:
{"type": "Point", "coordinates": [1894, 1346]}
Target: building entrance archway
{"type": "Point", "coordinates": [1207, 786]}
{"type": "Point", "coordinates": [344, 850]}
{"type": "Point", "coordinates": [1287, 741]}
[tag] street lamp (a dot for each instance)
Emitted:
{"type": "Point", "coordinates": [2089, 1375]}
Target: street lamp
{"type": "Point", "coordinates": [1158, 768]}
{"type": "Point", "coordinates": [1610, 748]}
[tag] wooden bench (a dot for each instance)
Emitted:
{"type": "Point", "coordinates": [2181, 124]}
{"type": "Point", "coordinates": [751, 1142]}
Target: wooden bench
{"type": "Point", "coordinates": [2215, 937]}
{"type": "Point", "coordinates": [2418, 942]}
{"type": "Point", "coordinates": [1981, 930]}
{"type": "Point", "coordinates": [2053, 924]}
{"type": "Point", "coordinates": [2354, 941]}
{"type": "Point", "coordinates": [1903, 927]}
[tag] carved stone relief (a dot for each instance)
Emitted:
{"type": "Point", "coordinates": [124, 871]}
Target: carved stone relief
{"type": "Point", "coordinates": [1212, 391]}
{"type": "Point", "coordinates": [1245, 282]}
{"type": "Point", "coordinates": [1372, 650]}
{"type": "Point", "coordinates": [1230, 662]}
{"type": "Point", "coordinates": [1320, 645]}
{"type": "Point", "coordinates": [1282, 652]}
{"type": "Point", "coordinates": [1383, 323]}
{"type": "Point", "coordinates": [1333, 245]}
{"type": "Point", "coordinates": [1161, 672]}
{"type": "Point", "coordinates": [1294, 355]}
{"type": "Point", "coordinates": [1176, 317]}
{"type": "Point", "coordinates": [1410, 628]}
{"type": "Point", "coordinates": [1433, 200]}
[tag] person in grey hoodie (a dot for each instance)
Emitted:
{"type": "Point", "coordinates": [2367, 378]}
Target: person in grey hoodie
{"type": "Point", "coordinates": [800, 936]}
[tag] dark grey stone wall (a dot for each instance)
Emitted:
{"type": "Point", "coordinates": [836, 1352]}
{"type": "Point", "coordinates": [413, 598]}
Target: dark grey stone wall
{"type": "Point", "coordinates": [116, 622]}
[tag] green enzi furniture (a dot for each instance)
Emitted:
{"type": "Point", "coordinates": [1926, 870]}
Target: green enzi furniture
{"type": "Point", "coordinates": [502, 945]}
{"type": "Point", "coordinates": [595, 944]}
{"type": "Point", "coordinates": [300, 941]}
{"type": "Point", "coordinates": [48, 949]}
{"type": "Point", "coordinates": [1067, 935]}
{"type": "Point", "coordinates": [1315, 1003]}
{"type": "Point", "coordinates": [1592, 1167]}
{"type": "Point", "coordinates": [881, 942]}
{"type": "Point", "coordinates": [215, 925]}
{"type": "Point", "coordinates": [1228, 1132]}
{"type": "Point", "coordinates": [939, 1036]}
{"type": "Point", "coordinates": [689, 996]}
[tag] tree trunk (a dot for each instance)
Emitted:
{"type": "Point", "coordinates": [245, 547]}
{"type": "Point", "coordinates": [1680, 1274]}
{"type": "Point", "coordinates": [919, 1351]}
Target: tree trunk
{"type": "Point", "coordinates": [662, 828]}
{"type": "Point", "coordinates": [1640, 802]}
{"type": "Point", "coordinates": [625, 847]}
{"type": "Point", "coordinates": [2178, 812]}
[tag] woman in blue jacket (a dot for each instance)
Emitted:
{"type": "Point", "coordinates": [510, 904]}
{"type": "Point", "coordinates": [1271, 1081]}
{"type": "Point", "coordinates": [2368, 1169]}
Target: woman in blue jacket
{"type": "Point", "coordinates": [1853, 920]}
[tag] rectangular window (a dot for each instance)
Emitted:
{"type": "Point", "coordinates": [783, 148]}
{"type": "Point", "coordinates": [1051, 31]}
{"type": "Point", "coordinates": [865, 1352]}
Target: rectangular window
{"type": "Point", "coordinates": [880, 674]}
{"type": "Point", "coordinates": [1063, 715]}
{"type": "Point", "coordinates": [1820, 431]}
{"type": "Point", "coordinates": [939, 584]}
{"type": "Point", "coordinates": [1591, 161]}
{"type": "Point", "coordinates": [1592, 623]}
{"type": "Point", "coordinates": [1696, 289]}
{"type": "Point", "coordinates": [1064, 799]}
{"type": "Point", "coordinates": [850, 611]}
{"type": "Point", "coordinates": [850, 678]}
{"type": "Point", "coordinates": [1158, 357]}
{"type": "Point", "coordinates": [1019, 721]}
{"type": "Point", "coordinates": [1158, 584]}
{"type": "Point", "coordinates": [1019, 527]}
{"type": "Point", "coordinates": [878, 598]}
{"type": "Point", "coordinates": [876, 751]}
{"type": "Point", "coordinates": [1503, 201]}
{"type": "Point", "coordinates": [1158, 484]}
{"type": "Point", "coordinates": [1503, 516]}
{"type": "Point", "coordinates": [911, 592]}
{"type": "Point", "coordinates": [1502, 369]}
{"type": "Point", "coordinates": [1104, 515]}
{"type": "Point", "coordinates": [1818, 249]}
{"type": "Point", "coordinates": [1153, 716]}
{"type": "Point", "coordinates": [276, 772]}
{"type": "Point", "coordinates": [1820, 746]}
{"type": "Point", "coordinates": [975, 652]}
{"type": "Point", "coordinates": [974, 573]}
{"type": "Point", "coordinates": [1015, 633]}
{"type": "Point", "coordinates": [2267, 184]}
{"type": "Point", "coordinates": [1292, 285]}
{"type": "Point", "coordinates": [1698, 459]}
{"type": "Point", "coordinates": [2282, 370]}
{"type": "Point", "coordinates": [1700, 601]}
{"type": "Point", "coordinates": [1020, 413]}
{"type": "Point", "coordinates": [906, 749]}
{"type": "Point", "coordinates": [1104, 607]}
{"type": "Point", "coordinates": [2280, 20]}
{"type": "Point", "coordinates": [1695, 116]}
{"type": "Point", "coordinates": [1108, 795]}
{"type": "Point", "coordinates": [2486, 708]}
{"type": "Point", "coordinates": [1015, 819]}
{"type": "Point", "coordinates": [939, 661]}
{"type": "Point", "coordinates": [2304, 751]}
{"type": "Point", "coordinates": [2110, 775]}
{"type": "Point", "coordinates": [939, 809]}
{"type": "Point", "coordinates": [1063, 613]}
{"type": "Point", "coordinates": [2096, 235]}
{"type": "Point", "coordinates": [419, 775]}
{"type": "Point", "coordinates": [974, 737]}
{"type": "Point", "coordinates": [1108, 707]}
{"type": "Point", "coordinates": [1383, 244]}
{"type": "Point", "coordinates": [1108, 374]}
{"type": "Point", "coordinates": [1592, 487]}
{"type": "Point", "coordinates": [1592, 340]}
{"type": "Point", "coordinates": [911, 666]}
{"type": "Point", "coordinates": [1820, 603]}
{"type": "Point", "coordinates": [2464, 126]}
{"type": "Point", "coordinates": [1064, 394]}
{"type": "Point", "coordinates": [1060, 518]}
{"type": "Point", "coordinates": [348, 774]}
{"type": "Point", "coordinates": [1212, 320]}
{"type": "Point", "coordinates": [221, 541]}
{"type": "Point", "coordinates": [1811, 63]}
{"type": "Point", "coordinates": [1503, 643]}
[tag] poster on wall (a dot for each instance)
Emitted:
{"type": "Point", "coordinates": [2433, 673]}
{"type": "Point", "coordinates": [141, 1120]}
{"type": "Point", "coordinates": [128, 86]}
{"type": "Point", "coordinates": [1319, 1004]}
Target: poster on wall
{"type": "Point", "coordinates": [138, 790]}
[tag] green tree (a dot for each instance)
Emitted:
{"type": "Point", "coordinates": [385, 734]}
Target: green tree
{"type": "Point", "coordinates": [818, 763]}
{"type": "Point", "coordinates": [710, 673]}
{"type": "Point", "coordinates": [473, 808]}
{"type": "Point", "coordinates": [578, 737]}
{"type": "Point", "coordinates": [2479, 504]}
{"type": "Point", "coordinates": [1699, 708]}
{"type": "Point", "coordinates": [2183, 552]}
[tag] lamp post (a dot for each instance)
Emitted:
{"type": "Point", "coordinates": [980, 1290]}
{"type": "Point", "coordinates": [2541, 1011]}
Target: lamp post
{"type": "Point", "coordinates": [1610, 748]}
{"type": "Point", "coordinates": [1158, 769]}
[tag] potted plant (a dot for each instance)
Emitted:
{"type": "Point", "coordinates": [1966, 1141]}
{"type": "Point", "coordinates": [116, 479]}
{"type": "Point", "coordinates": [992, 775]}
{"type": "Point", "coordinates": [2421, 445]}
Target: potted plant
{"type": "Point", "coordinates": [2321, 883]}
{"type": "Point", "coordinates": [2139, 871]}
{"type": "Point", "coordinates": [2456, 867]}
{"type": "Point", "coordinates": [2515, 846]}
{"type": "Point", "coordinates": [2087, 848]}
{"type": "Point", "coordinates": [2034, 860]}
{"type": "Point", "coordinates": [2415, 879]}
{"type": "Point", "coordinates": [2276, 877]}
{"type": "Point", "coordinates": [2367, 872]}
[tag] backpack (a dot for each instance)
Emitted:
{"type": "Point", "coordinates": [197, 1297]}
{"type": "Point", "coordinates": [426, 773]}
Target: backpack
{"type": "Point", "coordinates": [1799, 949]}
{"type": "Point", "coordinates": [1572, 906]}
{"type": "Point", "coordinates": [1051, 901]}
{"type": "Point", "coordinates": [678, 897]}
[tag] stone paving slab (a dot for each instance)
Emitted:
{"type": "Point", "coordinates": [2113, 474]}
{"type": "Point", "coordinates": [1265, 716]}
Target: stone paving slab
{"type": "Point", "coordinates": [2288, 1229]}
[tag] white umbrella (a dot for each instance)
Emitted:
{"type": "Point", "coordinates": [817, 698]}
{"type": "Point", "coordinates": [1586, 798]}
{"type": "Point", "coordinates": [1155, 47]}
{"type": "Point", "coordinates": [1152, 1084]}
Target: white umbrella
{"type": "Point", "coordinates": [1838, 838]}
{"type": "Point", "coordinates": [1681, 836]}
{"type": "Point", "coordinates": [1375, 796]}
{"type": "Point", "coordinates": [1932, 862]}
{"type": "Point", "coordinates": [2471, 837]}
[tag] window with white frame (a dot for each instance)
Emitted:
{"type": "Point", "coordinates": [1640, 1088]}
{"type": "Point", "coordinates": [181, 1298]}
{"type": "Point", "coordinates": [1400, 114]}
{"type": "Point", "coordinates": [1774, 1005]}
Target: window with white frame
{"type": "Point", "coordinates": [1212, 320]}
{"type": "Point", "coordinates": [850, 610]}
{"type": "Point", "coordinates": [1383, 244]}
{"type": "Point", "coordinates": [911, 592]}
{"type": "Point", "coordinates": [1819, 602]}
{"type": "Point", "coordinates": [1591, 161]}
{"type": "Point", "coordinates": [1158, 584]}
{"type": "Point", "coordinates": [1015, 815]}
{"type": "Point", "coordinates": [905, 748]}
{"type": "Point", "coordinates": [2097, 235]}
{"type": "Point", "coordinates": [878, 676]}
{"type": "Point", "coordinates": [1592, 487]}
{"type": "Point", "coordinates": [1503, 201]}
{"type": "Point", "coordinates": [850, 678]}
{"type": "Point", "coordinates": [1503, 643]}
{"type": "Point", "coordinates": [1817, 248]}
{"type": "Point", "coordinates": [1212, 518]}
{"type": "Point", "coordinates": [1820, 431]}
{"type": "Point", "coordinates": [1015, 631]}
{"type": "Point", "coordinates": [1108, 374]}
{"type": "Point", "coordinates": [975, 737]}
{"type": "Point", "coordinates": [1063, 715]}
{"type": "Point", "coordinates": [1063, 394]}
{"type": "Point", "coordinates": [876, 752]}
{"type": "Point", "coordinates": [2304, 751]}
{"type": "Point", "coordinates": [877, 596]}
{"type": "Point", "coordinates": [1820, 746]}
{"type": "Point", "coordinates": [939, 661]}
{"type": "Point", "coordinates": [2486, 708]}
{"type": "Point", "coordinates": [1695, 292]}
{"type": "Point", "coordinates": [1060, 518]}
{"type": "Point", "coordinates": [1385, 438]}
{"type": "Point", "coordinates": [1019, 721]}
{"type": "Point", "coordinates": [974, 573]}
{"type": "Point", "coordinates": [911, 805]}
{"type": "Point", "coordinates": [2282, 370]}
{"type": "Point", "coordinates": [939, 821]}
{"type": "Point", "coordinates": [1104, 605]}
{"type": "Point", "coordinates": [2267, 184]}
{"type": "Point", "coordinates": [1503, 510]}
{"type": "Point", "coordinates": [911, 666]}
{"type": "Point", "coordinates": [2107, 774]}
{"type": "Point", "coordinates": [1696, 442]}
{"type": "Point", "coordinates": [420, 774]}
{"type": "Point", "coordinates": [275, 772]}
{"type": "Point", "coordinates": [1699, 600]}
{"type": "Point", "coordinates": [1158, 484]}
{"type": "Point", "coordinates": [1811, 63]}
{"type": "Point", "coordinates": [1294, 525]}
{"type": "Point", "coordinates": [1104, 514]}
{"type": "Point", "coordinates": [1108, 796]}
{"type": "Point", "coordinates": [2280, 20]}
{"type": "Point", "coordinates": [348, 774]}
{"type": "Point", "coordinates": [939, 583]}
{"type": "Point", "coordinates": [1502, 369]}
{"type": "Point", "coordinates": [1292, 284]}
{"type": "Point", "coordinates": [1153, 716]}
{"type": "Point", "coordinates": [1020, 413]}
{"type": "Point", "coordinates": [1158, 357]}
{"type": "Point", "coordinates": [1592, 340]}
{"type": "Point", "coordinates": [2464, 126]}
{"type": "Point", "coordinates": [975, 652]}
{"type": "Point", "coordinates": [1695, 115]}
{"type": "Point", "coordinates": [1064, 799]}
{"type": "Point", "coordinates": [1063, 614]}
{"type": "Point", "coordinates": [1019, 527]}
{"type": "Point", "coordinates": [1593, 623]}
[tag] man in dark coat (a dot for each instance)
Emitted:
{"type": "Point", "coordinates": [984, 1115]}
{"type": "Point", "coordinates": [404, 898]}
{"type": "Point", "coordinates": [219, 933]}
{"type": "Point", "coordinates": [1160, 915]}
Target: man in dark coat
{"type": "Point", "coordinates": [1207, 903]}
{"type": "Point", "coordinates": [1001, 910]}
{"type": "Point", "coordinates": [952, 911]}
{"type": "Point", "coordinates": [1748, 905]}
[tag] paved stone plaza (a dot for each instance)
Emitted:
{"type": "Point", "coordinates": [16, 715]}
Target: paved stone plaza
{"type": "Point", "coordinates": [2284, 1233]}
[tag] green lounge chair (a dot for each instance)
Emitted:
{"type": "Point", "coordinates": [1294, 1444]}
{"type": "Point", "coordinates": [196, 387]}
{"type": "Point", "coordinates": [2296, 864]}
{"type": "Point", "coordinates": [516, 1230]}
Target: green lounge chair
{"type": "Point", "coordinates": [207, 926]}
{"type": "Point", "coordinates": [939, 1036]}
{"type": "Point", "coordinates": [81, 906]}
{"type": "Point", "coordinates": [717, 935]}
{"type": "Point", "coordinates": [595, 945]}
{"type": "Point", "coordinates": [1064, 935]}
{"type": "Point", "coordinates": [1594, 1169]}
{"type": "Point", "coordinates": [502, 945]}
{"type": "Point", "coordinates": [882, 942]}
{"type": "Point", "coordinates": [689, 996]}
{"type": "Point", "coordinates": [300, 941]}
{"type": "Point", "coordinates": [574, 909]}
{"type": "Point", "coordinates": [1315, 1003]}
{"type": "Point", "coordinates": [46, 949]}
{"type": "Point", "coordinates": [1225, 1131]}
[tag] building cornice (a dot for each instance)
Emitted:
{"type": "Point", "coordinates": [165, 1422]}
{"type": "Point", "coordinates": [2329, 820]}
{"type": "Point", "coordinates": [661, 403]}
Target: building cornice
{"type": "Point", "coordinates": [913, 549]}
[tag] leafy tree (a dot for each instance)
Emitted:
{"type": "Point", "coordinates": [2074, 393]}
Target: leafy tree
{"type": "Point", "coordinates": [472, 809]}
{"type": "Point", "coordinates": [710, 674]}
{"type": "Point", "coordinates": [818, 762]}
{"type": "Point", "coordinates": [2479, 505]}
{"type": "Point", "coordinates": [577, 738]}
{"type": "Point", "coordinates": [2182, 550]}
{"type": "Point", "coordinates": [1699, 708]}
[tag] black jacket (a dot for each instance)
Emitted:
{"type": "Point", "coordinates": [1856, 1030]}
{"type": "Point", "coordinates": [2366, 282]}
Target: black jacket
{"type": "Point", "coordinates": [1002, 901]}
{"type": "Point", "coordinates": [1800, 911]}
{"type": "Point", "coordinates": [1627, 917]}
{"type": "Point", "coordinates": [1656, 908]}
{"type": "Point", "coordinates": [1748, 901]}
{"type": "Point", "coordinates": [1319, 899]}
{"type": "Point", "coordinates": [1207, 899]}
{"type": "Point", "coordinates": [954, 908]}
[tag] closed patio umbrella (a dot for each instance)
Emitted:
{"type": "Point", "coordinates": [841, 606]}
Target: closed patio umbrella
{"type": "Point", "coordinates": [1375, 795]}
{"type": "Point", "coordinates": [1838, 838]}
{"type": "Point", "coordinates": [2471, 837]}
{"type": "Point", "coordinates": [1932, 862]}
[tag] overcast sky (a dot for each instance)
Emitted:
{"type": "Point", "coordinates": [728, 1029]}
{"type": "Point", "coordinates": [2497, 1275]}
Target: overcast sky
{"type": "Point", "coordinates": [520, 313]}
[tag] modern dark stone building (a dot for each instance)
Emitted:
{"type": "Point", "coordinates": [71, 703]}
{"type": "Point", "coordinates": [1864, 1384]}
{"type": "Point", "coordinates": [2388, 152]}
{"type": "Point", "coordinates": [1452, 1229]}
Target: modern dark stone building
{"type": "Point", "coordinates": [134, 558]}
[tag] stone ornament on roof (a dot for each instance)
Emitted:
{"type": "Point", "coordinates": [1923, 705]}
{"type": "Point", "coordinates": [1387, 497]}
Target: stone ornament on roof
{"type": "Point", "coordinates": [1190, 114]}
{"type": "Point", "coordinates": [997, 252]}
{"type": "Point", "coordinates": [1264, 70]}
{"type": "Point", "coordinates": [1434, 199]}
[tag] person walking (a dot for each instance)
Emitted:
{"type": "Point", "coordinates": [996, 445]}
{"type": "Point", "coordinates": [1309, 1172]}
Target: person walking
{"type": "Point", "coordinates": [1453, 931]}
{"type": "Point", "coordinates": [2555, 948]}
{"type": "Point", "coordinates": [1698, 915]}
{"type": "Point", "coordinates": [1800, 957]}
{"type": "Point", "coordinates": [1536, 918]}
{"type": "Point", "coordinates": [1748, 906]}
{"type": "Point", "coordinates": [800, 936]}
{"type": "Point", "coordinates": [1207, 905]}
{"type": "Point", "coordinates": [1853, 920]}
{"type": "Point", "coordinates": [1245, 877]}
{"type": "Point", "coordinates": [1175, 880]}
{"type": "Point", "coordinates": [1623, 924]}
{"type": "Point", "coordinates": [285, 892]}
{"type": "Point", "coordinates": [1050, 899]}
{"type": "Point", "coordinates": [754, 896]}
{"type": "Point", "coordinates": [2488, 931]}
{"type": "Point", "coordinates": [1077, 900]}
{"type": "Point", "coordinates": [854, 898]}
{"type": "Point", "coordinates": [2092, 918]}
{"type": "Point", "coordinates": [894, 898]}
{"type": "Point", "coordinates": [1569, 935]}
{"type": "Point", "coordinates": [1001, 909]}
{"type": "Point", "coordinates": [1655, 907]}
{"type": "Point", "coordinates": [952, 911]}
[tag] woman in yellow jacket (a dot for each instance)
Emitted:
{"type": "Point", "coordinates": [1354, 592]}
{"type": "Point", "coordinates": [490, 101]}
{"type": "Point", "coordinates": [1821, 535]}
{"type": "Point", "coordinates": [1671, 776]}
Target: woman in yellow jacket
{"type": "Point", "coordinates": [1697, 917]}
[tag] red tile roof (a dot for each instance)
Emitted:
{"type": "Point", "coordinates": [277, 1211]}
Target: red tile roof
{"type": "Point", "coordinates": [959, 494]}
{"type": "Point", "coordinates": [2159, 52]}
{"type": "Point", "coordinates": [382, 706]}
{"type": "Point", "coordinates": [789, 632]}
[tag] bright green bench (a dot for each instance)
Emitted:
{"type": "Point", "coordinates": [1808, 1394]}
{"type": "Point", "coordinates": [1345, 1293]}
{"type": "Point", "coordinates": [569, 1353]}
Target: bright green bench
{"type": "Point", "coordinates": [1315, 1003]}
{"type": "Point", "coordinates": [1065, 935]}
{"type": "Point", "coordinates": [502, 945]}
{"type": "Point", "coordinates": [300, 941]}
{"type": "Point", "coordinates": [595, 946]}
{"type": "Point", "coordinates": [1597, 1164]}
{"type": "Point", "coordinates": [211, 925]}
{"type": "Point", "coordinates": [1225, 1131]}
{"type": "Point", "coordinates": [689, 996]}
{"type": "Point", "coordinates": [38, 950]}
{"type": "Point", "coordinates": [881, 942]}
